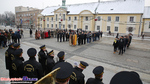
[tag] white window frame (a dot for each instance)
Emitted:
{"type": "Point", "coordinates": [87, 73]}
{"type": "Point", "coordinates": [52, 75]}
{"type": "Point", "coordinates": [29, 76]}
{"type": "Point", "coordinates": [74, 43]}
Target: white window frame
{"type": "Point", "coordinates": [98, 18]}
{"type": "Point", "coordinates": [116, 18]}
{"type": "Point", "coordinates": [86, 18]}
{"type": "Point", "coordinates": [75, 26]}
{"type": "Point", "coordinates": [97, 27]}
{"type": "Point", "coordinates": [131, 19]}
{"type": "Point", "coordinates": [109, 18]}
{"type": "Point", "coordinates": [115, 29]}
{"type": "Point", "coordinates": [47, 25]}
{"type": "Point", "coordinates": [86, 27]}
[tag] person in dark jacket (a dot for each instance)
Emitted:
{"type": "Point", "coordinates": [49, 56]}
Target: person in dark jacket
{"type": "Point", "coordinates": [115, 44]}
{"type": "Point", "coordinates": [98, 72]}
{"type": "Point", "coordinates": [16, 46]}
{"type": "Point", "coordinates": [85, 36]}
{"type": "Point", "coordinates": [50, 63]}
{"type": "Point", "coordinates": [17, 64]}
{"type": "Point", "coordinates": [8, 60]}
{"type": "Point", "coordinates": [82, 38]}
{"type": "Point", "coordinates": [77, 76]}
{"type": "Point", "coordinates": [61, 56]}
{"type": "Point", "coordinates": [58, 33]}
{"type": "Point", "coordinates": [30, 32]}
{"type": "Point", "coordinates": [79, 38]}
{"type": "Point", "coordinates": [64, 34]}
{"type": "Point", "coordinates": [18, 36]}
{"type": "Point", "coordinates": [32, 68]}
{"type": "Point", "coordinates": [121, 43]}
{"type": "Point", "coordinates": [42, 55]}
{"type": "Point", "coordinates": [61, 35]}
{"type": "Point", "coordinates": [117, 35]}
{"type": "Point", "coordinates": [130, 39]}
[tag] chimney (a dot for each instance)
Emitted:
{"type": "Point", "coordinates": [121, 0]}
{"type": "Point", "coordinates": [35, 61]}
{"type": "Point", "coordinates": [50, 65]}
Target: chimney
{"type": "Point", "coordinates": [98, 0]}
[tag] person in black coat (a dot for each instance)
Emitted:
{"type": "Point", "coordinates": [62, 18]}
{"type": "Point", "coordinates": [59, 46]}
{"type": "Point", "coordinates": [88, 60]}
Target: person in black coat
{"type": "Point", "coordinates": [64, 34]}
{"type": "Point", "coordinates": [130, 39]}
{"type": "Point", "coordinates": [79, 38]}
{"type": "Point", "coordinates": [115, 44]}
{"type": "Point", "coordinates": [17, 64]}
{"type": "Point", "coordinates": [61, 35]}
{"type": "Point", "coordinates": [121, 43]}
{"type": "Point", "coordinates": [32, 68]}
{"type": "Point", "coordinates": [42, 55]}
{"type": "Point", "coordinates": [58, 33]}
{"type": "Point", "coordinates": [85, 36]}
{"type": "Point", "coordinates": [77, 76]}
{"type": "Point", "coordinates": [30, 32]}
{"type": "Point", "coordinates": [50, 63]}
{"type": "Point", "coordinates": [16, 46]}
{"type": "Point", "coordinates": [98, 72]}
{"type": "Point", "coordinates": [8, 60]}
{"type": "Point", "coordinates": [61, 56]}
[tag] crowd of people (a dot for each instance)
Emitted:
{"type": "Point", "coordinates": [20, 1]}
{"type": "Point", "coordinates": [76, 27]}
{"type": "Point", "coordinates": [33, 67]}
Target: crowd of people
{"type": "Point", "coordinates": [122, 43]}
{"type": "Point", "coordinates": [67, 74]}
{"type": "Point", "coordinates": [7, 36]}
{"type": "Point", "coordinates": [74, 37]}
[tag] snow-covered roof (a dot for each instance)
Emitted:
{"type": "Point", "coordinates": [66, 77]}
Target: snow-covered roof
{"type": "Point", "coordinates": [77, 8]}
{"type": "Point", "coordinates": [49, 10]}
{"type": "Point", "coordinates": [108, 7]}
{"type": "Point", "coordinates": [128, 6]}
{"type": "Point", "coordinates": [146, 12]}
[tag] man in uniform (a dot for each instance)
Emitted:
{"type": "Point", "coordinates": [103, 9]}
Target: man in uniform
{"type": "Point", "coordinates": [16, 46]}
{"type": "Point", "coordinates": [126, 77]}
{"type": "Point", "coordinates": [42, 55]}
{"type": "Point", "coordinates": [8, 60]}
{"type": "Point", "coordinates": [77, 76]}
{"type": "Point", "coordinates": [98, 72]}
{"type": "Point", "coordinates": [32, 68]}
{"type": "Point", "coordinates": [17, 64]}
{"type": "Point", "coordinates": [50, 63]}
{"type": "Point", "coordinates": [61, 56]}
{"type": "Point", "coordinates": [63, 75]}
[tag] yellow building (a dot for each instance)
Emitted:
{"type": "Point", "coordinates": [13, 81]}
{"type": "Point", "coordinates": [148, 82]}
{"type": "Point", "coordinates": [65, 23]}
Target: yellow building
{"type": "Point", "coordinates": [116, 16]}
{"type": "Point", "coordinates": [146, 21]}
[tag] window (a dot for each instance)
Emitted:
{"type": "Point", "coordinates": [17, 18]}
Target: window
{"type": "Point", "coordinates": [109, 18]}
{"type": "Point", "coordinates": [98, 27]}
{"type": "Point", "coordinates": [47, 18]}
{"type": "Point", "coordinates": [131, 19]}
{"type": "Point", "coordinates": [69, 26]}
{"type": "Point", "coordinates": [41, 19]}
{"type": "Point", "coordinates": [117, 18]}
{"type": "Point", "coordinates": [63, 26]}
{"type": "Point", "coordinates": [86, 18]}
{"type": "Point", "coordinates": [47, 25]}
{"type": "Point", "coordinates": [41, 25]}
{"type": "Point", "coordinates": [56, 17]}
{"type": "Point", "coordinates": [52, 25]}
{"type": "Point", "coordinates": [108, 28]}
{"type": "Point", "coordinates": [75, 26]}
{"type": "Point", "coordinates": [34, 14]}
{"type": "Point", "coordinates": [52, 18]}
{"type": "Point", "coordinates": [63, 16]}
{"type": "Point", "coordinates": [86, 27]}
{"type": "Point", "coordinates": [130, 29]}
{"type": "Point", "coordinates": [149, 24]}
{"type": "Point", "coordinates": [99, 18]}
{"type": "Point", "coordinates": [75, 18]}
{"type": "Point", "coordinates": [69, 18]}
{"type": "Point", "coordinates": [116, 29]}
{"type": "Point", "coordinates": [56, 25]}
{"type": "Point", "coordinates": [24, 14]}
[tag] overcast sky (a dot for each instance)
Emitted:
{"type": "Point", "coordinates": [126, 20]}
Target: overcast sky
{"type": "Point", "coordinates": [9, 5]}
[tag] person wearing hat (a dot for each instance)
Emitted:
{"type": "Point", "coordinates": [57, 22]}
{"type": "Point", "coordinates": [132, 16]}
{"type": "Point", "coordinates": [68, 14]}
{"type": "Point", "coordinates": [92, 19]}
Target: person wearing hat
{"type": "Point", "coordinates": [121, 43]}
{"type": "Point", "coordinates": [16, 46]}
{"type": "Point", "coordinates": [98, 72]}
{"type": "Point", "coordinates": [32, 68]}
{"type": "Point", "coordinates": [61, 56]}
{"type": "Point", "coordinates": [63, 75]}
{"type": "Point", "coordinates": [42, 55]}
{"type": "Point", "coordinates": [126, 77]}
{"type": "Point", "coordinates": [77, 77]}
{"type": "Point", "coordinates": [8, 60]}
{"type": "Point", "coordinates": [17, 64]}
{"type": "Point", "coordinates": [50, 63]}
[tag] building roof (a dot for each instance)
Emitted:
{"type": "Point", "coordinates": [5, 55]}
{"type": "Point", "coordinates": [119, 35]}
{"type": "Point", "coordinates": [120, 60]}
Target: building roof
{"type": "Point", "coordinates": [146, 12]}
{"type": "Point", "coordinates": [107, 7]}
